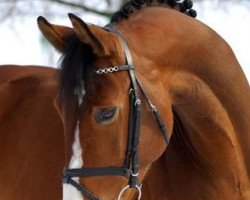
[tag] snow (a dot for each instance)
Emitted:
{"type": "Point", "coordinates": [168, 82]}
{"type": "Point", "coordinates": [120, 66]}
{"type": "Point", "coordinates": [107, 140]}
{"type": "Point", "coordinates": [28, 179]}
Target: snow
{"type": "Point", "coordinates": [20, 43]}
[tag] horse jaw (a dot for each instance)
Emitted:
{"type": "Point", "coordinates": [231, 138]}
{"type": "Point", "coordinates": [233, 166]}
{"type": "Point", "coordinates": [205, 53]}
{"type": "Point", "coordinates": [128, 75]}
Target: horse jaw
{"type": "Point", "coordinates": [76, 161]}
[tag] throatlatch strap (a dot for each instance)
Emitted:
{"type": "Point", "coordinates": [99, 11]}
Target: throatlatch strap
{"type": "Point", "coordinates": [156, 114]}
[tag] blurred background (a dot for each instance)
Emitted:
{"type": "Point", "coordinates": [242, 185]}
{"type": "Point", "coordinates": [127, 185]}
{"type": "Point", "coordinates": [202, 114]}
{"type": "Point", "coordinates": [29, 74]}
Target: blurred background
{"type": "Point", "coordinates": [22, 43]}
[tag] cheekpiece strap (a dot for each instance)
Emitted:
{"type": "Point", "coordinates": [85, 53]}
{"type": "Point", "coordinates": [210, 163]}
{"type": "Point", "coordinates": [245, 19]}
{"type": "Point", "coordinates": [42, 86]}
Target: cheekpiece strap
{"type": "Point", "coordinates": [137, 109]}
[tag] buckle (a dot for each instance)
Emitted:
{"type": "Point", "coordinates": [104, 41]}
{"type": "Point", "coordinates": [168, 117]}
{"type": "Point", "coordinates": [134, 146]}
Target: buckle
{"type": "Point", "coordinates": [66, 179]}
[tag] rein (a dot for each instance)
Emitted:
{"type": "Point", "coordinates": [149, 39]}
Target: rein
{"type": "Point", "coordinates": [130, 168]}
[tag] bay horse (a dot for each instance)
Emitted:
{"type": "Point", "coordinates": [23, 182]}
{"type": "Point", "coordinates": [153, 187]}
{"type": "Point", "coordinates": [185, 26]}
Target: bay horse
{"type": "Point", "coordinates": [151, 59]}
{"type": "Point", "coordinates": [31, 134]}
{"type": "Point", "coordinates": [188, 73]}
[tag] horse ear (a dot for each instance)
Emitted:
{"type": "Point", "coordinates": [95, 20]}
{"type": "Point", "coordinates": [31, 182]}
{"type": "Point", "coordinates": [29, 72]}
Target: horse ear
{"type": "Point", "coordinates": [55, 34]}
{"type": "Point", "coordinates": [99, 39]}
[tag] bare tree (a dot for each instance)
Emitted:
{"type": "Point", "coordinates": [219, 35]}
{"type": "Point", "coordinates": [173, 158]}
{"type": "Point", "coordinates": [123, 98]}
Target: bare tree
{"type": "Point", "coordinates": [15, 11]}
{"type": "Point", "coordinates": [104, 8]}
{"type": "Point", "coordinates": [22, 8]}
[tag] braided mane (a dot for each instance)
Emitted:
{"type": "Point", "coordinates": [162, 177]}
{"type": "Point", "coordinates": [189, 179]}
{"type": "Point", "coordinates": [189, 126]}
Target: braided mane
{"type": "Point", "coordinates": [128, 8]}
{"type": "Point", "coordinates": [76, 61]}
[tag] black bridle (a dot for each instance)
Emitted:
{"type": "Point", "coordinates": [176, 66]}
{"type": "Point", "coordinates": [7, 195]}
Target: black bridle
{"type": "Point", "coordinates": [130, 168]}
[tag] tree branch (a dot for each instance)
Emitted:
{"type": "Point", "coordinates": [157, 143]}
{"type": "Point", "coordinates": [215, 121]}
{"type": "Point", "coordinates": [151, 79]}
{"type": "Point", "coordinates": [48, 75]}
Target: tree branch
{"type": "Point", "coordinates": [81, 6]}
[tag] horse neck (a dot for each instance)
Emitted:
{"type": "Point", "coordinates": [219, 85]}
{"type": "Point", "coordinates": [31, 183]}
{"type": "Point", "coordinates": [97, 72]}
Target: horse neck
{"type": "Point", "coordinates": [205, 149]}
{"type": "Point", "coordinates": [198, 71]}
{"type": "Point", "coordinates": [213, 115]}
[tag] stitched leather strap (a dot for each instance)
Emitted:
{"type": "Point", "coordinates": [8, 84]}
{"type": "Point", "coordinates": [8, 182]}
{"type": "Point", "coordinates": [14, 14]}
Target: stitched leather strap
{"type": "Point", "coordinates": [80, 188]}
{"type": "Point", "coordinates": [103, 171]}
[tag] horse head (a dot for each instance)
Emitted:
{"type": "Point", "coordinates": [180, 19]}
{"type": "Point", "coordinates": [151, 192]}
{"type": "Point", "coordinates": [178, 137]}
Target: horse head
{"type": "Point", "coordinates": [97, 108]}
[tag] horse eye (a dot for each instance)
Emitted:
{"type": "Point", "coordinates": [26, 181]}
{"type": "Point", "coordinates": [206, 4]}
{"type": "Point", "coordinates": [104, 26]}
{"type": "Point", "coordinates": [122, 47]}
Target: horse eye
{"type": "Point", "coordinates": [105, 114]}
